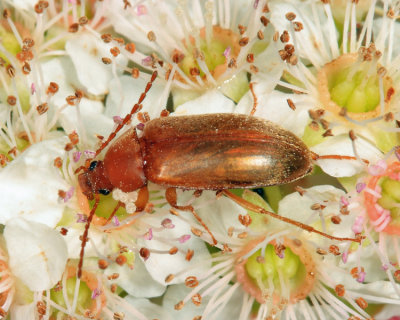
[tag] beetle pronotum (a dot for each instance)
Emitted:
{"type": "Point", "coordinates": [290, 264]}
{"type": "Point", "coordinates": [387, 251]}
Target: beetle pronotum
{"type": "Point", "coordinates": [203, 152]}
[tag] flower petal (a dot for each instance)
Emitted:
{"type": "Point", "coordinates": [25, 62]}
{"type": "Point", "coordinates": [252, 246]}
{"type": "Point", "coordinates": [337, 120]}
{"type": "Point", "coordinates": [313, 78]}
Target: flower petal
{"type": "Point", "coordinates": [38, 254]}
{"type": "Point", "coordinates": [29, 185]}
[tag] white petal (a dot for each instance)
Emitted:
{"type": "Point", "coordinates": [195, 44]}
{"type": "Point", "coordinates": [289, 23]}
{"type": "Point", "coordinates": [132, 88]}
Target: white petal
{"type": "Point", "coordinates": [211, 102]}
{"type": "Point", "coordinates": [137, 281]}
{"type": "Point", "coordinates": [125, 91]}
{"type": "Point", "coordinates": [38, 254]}
{"type": "Point", "coordinates": [26, 312]}
{"type": "Point", "coordinates": [274, 107]}
{"type": "Point", "coordinates": [86, 52]}
{"type": "Point", "coordinates": [164, 264]}
{"type": "Point", "coordinates": [341, 145]}
{"type": "Point", "coordinates": [61, 71]}
{"type": "Point", "coordinates": [92, 121]}
{"type": "Point", "coordinates": [29, 185]}
{"type": "Point", "coordinates": [148, 309]}
{"type": "Point", "coordinates": [176, 293]}
{"type": "Point", "coordinates": [298, 207]}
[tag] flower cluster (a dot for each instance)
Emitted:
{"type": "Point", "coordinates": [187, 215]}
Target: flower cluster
{"type": "Point", "coordinates": [216, 159]}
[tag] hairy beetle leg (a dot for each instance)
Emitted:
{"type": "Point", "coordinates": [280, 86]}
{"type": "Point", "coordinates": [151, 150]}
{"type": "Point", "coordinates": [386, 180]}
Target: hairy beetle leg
{"type": "Point", "coordinates": [252, 207]}
{"type": "Point", "coordinates": [171, 197]}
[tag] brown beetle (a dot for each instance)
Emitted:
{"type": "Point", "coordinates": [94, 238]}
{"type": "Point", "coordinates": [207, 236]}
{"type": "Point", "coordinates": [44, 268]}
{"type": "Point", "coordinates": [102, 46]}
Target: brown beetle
{"type": "Point", "coordinates": [201, 152]}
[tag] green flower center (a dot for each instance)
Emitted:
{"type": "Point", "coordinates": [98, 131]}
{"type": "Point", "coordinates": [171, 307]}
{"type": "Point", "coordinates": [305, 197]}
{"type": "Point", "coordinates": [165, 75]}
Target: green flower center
{"type": "Point", "coordinates": [355, 82]}
{"type": "Point", "coordinates": [272, 271]}
{"type": "Point", "coordinates": [354, 89]}
{"type": "Point", "coordinates": [84, 295]}
{"type": "Point", "coordinates": [390, 199]}
{"type": "Point", "coordinates": [106, 206]}
{"type": "Point", "coordinates": [215, 52]}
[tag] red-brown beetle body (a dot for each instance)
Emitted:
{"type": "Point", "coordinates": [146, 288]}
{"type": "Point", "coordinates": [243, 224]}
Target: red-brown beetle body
{"type": "Point", "coordinates": [211, 151]}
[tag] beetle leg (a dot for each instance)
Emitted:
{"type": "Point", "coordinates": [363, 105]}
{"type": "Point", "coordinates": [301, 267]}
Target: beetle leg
{"type": "Point", "coordinates": [255, 100]}
{"type": "Point", "coordinates": [171, 197]}
{"type": "Point", "coordinates": [85, 237]}
{"type": "Point", "coordinates": [335, 157]}
{"type": "Point", "coordinates": [252, 207]}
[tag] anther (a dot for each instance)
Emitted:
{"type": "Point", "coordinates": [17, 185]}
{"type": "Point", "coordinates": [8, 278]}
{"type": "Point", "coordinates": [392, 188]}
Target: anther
{"type": "Point", "coordinates": [12, 100]}
{"type": "Point", "coordinates": [290, 16]}
{"type": "Point", "coordinates": [245, 219]}
{"type": "Point", "coordinates": [244, 41]}
{"type": "Point", "coordinates": [189, 255]}
{"type": "Point", "coordinates": [291, 104]}
{"type": "Point", "coordinates": [120, 41]}
{"type": "Point", "coordinates": [42, 108]}
{"type": "Point", "coordinates": [6, 13]}
{"type": "Point", "coordinates": [362, 303]}
{"type": "Point", "coordinates": [264, 20]}
{"type": "Point", "coordinates": [297, 26]}
{"type": "Point", "coordinates": [115, 51]}
{"type": "Point", "coordinates": [10, 71]}
{"type": "Point", "coordinates": [179, 305]}
{"type": "Point", "coordinates": [250, 58]}
{"type": "Point", "coordinates": [173, 250]}
{"type": "Point", "coordinates": [352, 135]}
{"type": "Point", "coordinates": [118, 316]}
{"type": "Point", "coordinates": [121, 259]}
{"type": "Point", "coordinates": [106, 37]}
{"type": "Point", "coordinates": [191, 282]}
{"type": "Point", "coordinates": [169, 278]}
{"type": "Point", "coordinates": [340, 290]}
{"type": "Point", "coordinates": [336, 220]}
{"type": "Point", "coordinates": [196, 232]}
{"type": "Point", "coordinates": [52, 88]}
{"type": "Point", "coordinates": [242, 235]}
{"type": "Point", "coordinates": [144, 253]}
{"type": "Point", "coordinates": [285, 37]}
{"type": "Point", "coordinates": [73, 28]}
{"type": "Point", "coordinates": [151, 36]}
{"type": "Point", "coordinates": [83, 20]}
{"type": "Point", "coordinates": [334, 250]}
{"type": "Point", "coordinates": [232, 63]}
{"type": "Point", "coordinates": [196, 299]}
{"type": "Point", "coordinates": [41, 308]}
{"type": "Point", "coordinates": [106, 60]}
{"type": "Point", "coordinates": [103, 264]}
{"type": "Point", "coordinates": [242, 29]}
{"type": "Point", "coordinates": [26, 68]}
{"type": "Point", "coordinates": [130, 47]}
{"type": "Point", "coordinates": [396, 275]}
{"type": "Point", "coordinates": [388, 116]}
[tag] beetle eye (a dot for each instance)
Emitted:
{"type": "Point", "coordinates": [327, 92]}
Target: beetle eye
{"type": "Point", "coordinates": [93, 165]}
{"type": "Point", "coordinates": [104, 191]}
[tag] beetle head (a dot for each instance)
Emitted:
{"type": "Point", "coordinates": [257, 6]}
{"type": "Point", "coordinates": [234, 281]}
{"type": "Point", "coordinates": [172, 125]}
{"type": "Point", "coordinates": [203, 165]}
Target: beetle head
{"type": "Point", "coordinates": [95, 180]}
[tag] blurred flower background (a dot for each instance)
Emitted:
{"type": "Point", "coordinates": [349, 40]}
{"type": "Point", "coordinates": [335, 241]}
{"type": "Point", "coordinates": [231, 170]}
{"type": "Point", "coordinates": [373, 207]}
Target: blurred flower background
{"type": "Point", "coordinates": [70, 72]}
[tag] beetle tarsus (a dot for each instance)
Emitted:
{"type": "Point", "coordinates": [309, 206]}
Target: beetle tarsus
{"type": "Point", "coordinates": [171, 197]}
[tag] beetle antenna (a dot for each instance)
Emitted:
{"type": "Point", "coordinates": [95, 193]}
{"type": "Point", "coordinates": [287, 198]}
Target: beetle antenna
{"type": "Point", "coordinates": [128, 117]}
{"type": "Point", "coordinates": [252, 207]}
{"type": "Point", "coordinates": [85, 237]}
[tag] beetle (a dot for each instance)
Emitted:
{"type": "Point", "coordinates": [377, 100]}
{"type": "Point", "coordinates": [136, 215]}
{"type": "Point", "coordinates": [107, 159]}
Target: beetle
{"type": "Point", "coordinates": [199, 152]}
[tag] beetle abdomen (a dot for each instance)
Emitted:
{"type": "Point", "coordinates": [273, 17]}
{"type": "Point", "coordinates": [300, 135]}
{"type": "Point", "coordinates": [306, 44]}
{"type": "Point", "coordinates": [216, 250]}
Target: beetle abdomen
{"type": "Point", "coordinates": [220, 151]}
